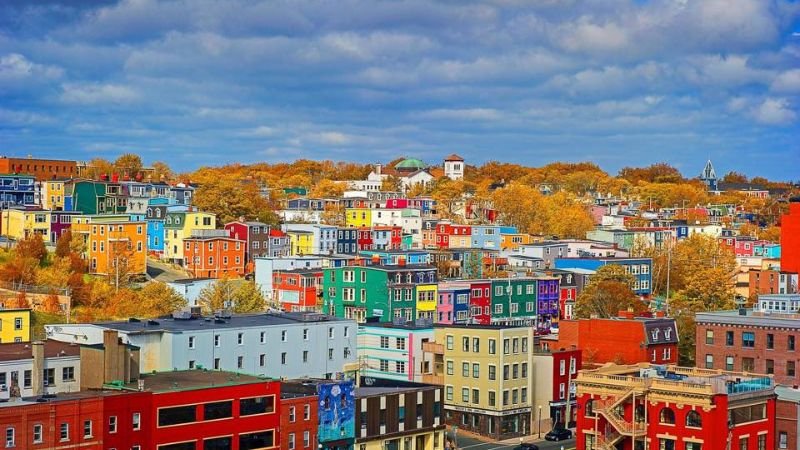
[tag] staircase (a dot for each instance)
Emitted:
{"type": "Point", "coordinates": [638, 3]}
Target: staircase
{"type": "Point", "coordinates": [608, 409]}
{"type": "Point", "coordinates": [608, 441]}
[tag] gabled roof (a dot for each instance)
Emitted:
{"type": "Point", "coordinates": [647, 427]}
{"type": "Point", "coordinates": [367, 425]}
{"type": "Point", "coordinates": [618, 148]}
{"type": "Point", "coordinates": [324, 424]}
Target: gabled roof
{"type": "Point", "coordinates": [708, 172]}
{"type": "Point", "coordinates": [454, 157]}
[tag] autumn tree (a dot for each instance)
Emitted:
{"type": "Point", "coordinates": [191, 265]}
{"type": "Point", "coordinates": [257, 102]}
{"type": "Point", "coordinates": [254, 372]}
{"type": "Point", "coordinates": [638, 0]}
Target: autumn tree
{"type": "Point", "coordinates": [609, 291]}
{"type": "Point", "coordinates": [51, 305]}
{"type": "Point", "coordinates": [98, 167]}
{"type": "Point", "coordinates": [159, 299]}
{"type": "Point", "coordinates": [63, 244]}
{"type": "Point", "coordinates": [19, 270]}
{"type": "Point", "coordinates": [217, 295]}
{"type": "Point", "coordinates": [448, 195]}
{"type": "Point", "coordinates": [327, 189]}
{"type": "Point", "coordinates": [248, 298]}
{"type": "Point", "coordinates": [32, 246]}
{"type": "Point", "coordinates": [162, 172]}
{"type": "Point", "coordinates": [734, 177]}
{"type": "Point", "coordinates": [230, 198]}
{"type": "Point", "coordinates": [655, 173]}
{"type": "Point", "coordinates": [128, 163]}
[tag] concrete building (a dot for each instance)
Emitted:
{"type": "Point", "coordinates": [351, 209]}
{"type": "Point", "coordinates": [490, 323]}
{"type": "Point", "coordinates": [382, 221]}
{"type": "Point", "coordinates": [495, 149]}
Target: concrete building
{"type": "Point", "coordinates": [674, 408]}
{"type": "Point", "coordinates": [58, 363]}
{"type": "Point", "coordinates": [291, 345]}
{"type": "Point", "coordinates": [394, 351]}
{"type": "Point", "coordinates": [486, 372]}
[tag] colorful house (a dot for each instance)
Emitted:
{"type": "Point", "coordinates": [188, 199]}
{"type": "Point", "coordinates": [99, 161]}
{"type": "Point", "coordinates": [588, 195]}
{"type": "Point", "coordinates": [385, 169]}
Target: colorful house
{"type": "Point", "coordinates": [514, 301]}
{"type": "Point", "coordinates": [111, 240]}
{"type": "Point", "coordinates": [311, 239]}
{"type": "Point", "coordinates": [15, 325]}
{"type": "Point", "coordinates": [358, 217]}
{"type": "Point", "coordinates": [214, 256]}
{"type": "Point", "coordinates": [17, 190]}
{"type": "Point", "coordinates": [255, 234]}
{"type": "Point", "coordinates": [95, 197]}
{"type": "Point", "coordinates": [20, 223]}
{"type": "Point", "coordinates": [640, 268]}
{"type": "Point", "coordinates": [156, 216]}
{"type": "Point", "coordinates": [60, 222]}
{"type": "Point", "coordinates": [480, 301]}
{"type": "Point", "coordinates": [454, 303]}
{"type": "Point", "coordinates": [180, 225]}
{"type": "Point", "coordinates": [298, 289]}
{"type": "Point", "coordinates": [381, 292]}
{"type": "Point", "coordinates": [53, 194]}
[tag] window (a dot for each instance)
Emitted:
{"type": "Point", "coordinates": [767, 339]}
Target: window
{"type": "Point", "coordinates": [465, 395]}
{"type": "Point", "coordinates": [137, 421]}
{"type": "Point", "coordinates": [216, 340]}
{"type": "Point", "coordinates": [112, 424]}
{"type": "Point", "coordinates": [762, 442]}
{"type": "Point", "coordinates": [523, 394]}
{"type": "Point", "coordinates": [709, 361]}
{"type": "Point", "coordinates": [26, 378]}
{"type": "Point", "coordinates": [667, 416]}
{"type": "Point", "coordinates": [306, 412]}
{"type": "Point", "coordinates": [589, 409]}
{"type": "Point", "coordinates": [17, 323]}
{"type": "Point", "coordinates": [492, 346]}
{"type": "Point", "coordinates": [220, 443]}
{"type": "Point", "coordinates": [465, 369]}
{"type": "Point", "coordinates": [524, 370]}
{"type": "Point", "coordinates": [666, 444]}
{"type": "Point", "coordinates": [449, 342]}
{"type": "Point", "coordinates": [449, 393]}
{"type": "Point", "coordinates": [63, 432]}
{"type": "Point", "coordinates": [306, 438]}
{"type": "Point", "coordinates": [783, 439]}
{"type": "Point", "coordinates": [729, 363]}
{"type": "Point", "coordinates": [476, 396]}
{"type": "Point", "coordinates": [709, 337]}
{"type": "Point", "coordinates": [748, 339]}
{"type": "Point", "coordinates": [177, 415]}
{"type": "Point", "coordinates": [400, 367]}
{"type": "Point", "coordinates": [37, 434]}
{"type": "Point", "coordinates": [283, 336]}
{"type": "Point", "coordinates": [476, 370]}
{"type": "Point", "coordinates": [384, 366]}
{"type": "Point", "coordinates": [790, 368]}
{"type": "Point", "coordinates": [492, 372]}
{"type": "Point", "coordinates": [305, 334]}
{"type": "Point", "coordinates": [693, 419]}
{"type": "Point", "coordinates": [191, 341]}
{"type": "Point", "coordinates": [729, 338]}
{"type": "Point", "coordinates": [240, 339]}
{"type": "Point", "coordinates": [87, 429]}
{"type": "Point", "coordinates": [256, 405]}
{"type": "Point", "coordinates": [449, 367]}
{"type": "Point", "coordinates": [10, 437]}
{"type": "Point", "coordinates": [68, 373]}
{"type": "Point", "coordinates": [476, 345]}
{"type": "Point", "coordinates": [291, 441]}
{"type": "Point", "coordinates": [217, 410]}
{"type": "Point", "coordinates": [790, 343]}
{"type": "Point", "coordinates": [506, 372]}
{"type": "Point", "coordinates": [492, 398]}
{"type": "Point", "coordinates": [400, 343]}
{"type": "Point", "coordinates": [262, 439]}
{"type": "Point", "coordinates": [465, 344]}
{"type": "Point", "coordinates": [506, 346]}
{"type": "Point", "coordinates": [305, 356]}
{"type": "Point", "coordinates": [770, 367]}
{"type": "Point", "coordinates": [515, 371]}
{"type": "Point", "coordinates": [744, 443]}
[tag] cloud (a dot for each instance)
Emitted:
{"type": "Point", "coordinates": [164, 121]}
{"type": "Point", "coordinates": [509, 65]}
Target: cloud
{"type": "Point", "coordinates": [774, 111]}
{"type": "Point", "coordinates": [14, 65]}
{"type": "Point", "coordinates": [484, 114]}
{"type": "Point", "coordinates": [97, 94]}
{"type": "Point", "coordinates": [787, 82]}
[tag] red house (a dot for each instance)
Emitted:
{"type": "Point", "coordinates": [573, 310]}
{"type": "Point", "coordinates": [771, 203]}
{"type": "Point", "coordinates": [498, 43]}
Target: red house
{"type": "Point", "coordinates": [623, 340]}
{"type": "Point", "coordinates": [480, 301]}
{"type": "Point", "coordinates": [214, 256]}
{"type": "Point", "coordinates": [298, 289]}
{"type": "Point", "coordinates": [790, 238]}
{"type": "Point", "coordinates": [445, 230]}
{"type": "Point", "coordinates": [555, 370]}
{"type": "Point", "coordinates": [299, 421]}
{"type": "Point", "coordinates": [397, 203]}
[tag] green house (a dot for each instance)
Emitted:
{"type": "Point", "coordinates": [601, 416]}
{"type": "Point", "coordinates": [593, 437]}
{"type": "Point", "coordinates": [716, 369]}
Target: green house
{"type": "Point", "coordinates": [514, 299]}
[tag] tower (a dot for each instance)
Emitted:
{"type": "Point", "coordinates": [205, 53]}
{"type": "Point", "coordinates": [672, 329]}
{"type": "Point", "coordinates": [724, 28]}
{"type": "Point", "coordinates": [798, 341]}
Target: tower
{"type": "Point", "coordinates": [709, 176]}
{"type": "Point", "coordinates": [454, 167]}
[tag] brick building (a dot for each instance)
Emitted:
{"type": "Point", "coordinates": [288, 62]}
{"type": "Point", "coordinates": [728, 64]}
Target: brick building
{"type": "Point", "coordinates": [623, 340]}
{"type": "Point", "coordinates": [673, 408]}
{"type": "Point", "coordinates": [749, 341]}
{"type": "Point", "coordinates": [787, 413]}
{"type": "Point", "coordinates": [298, 420]}
{"type": "Point", "coordinates": [42, 169]}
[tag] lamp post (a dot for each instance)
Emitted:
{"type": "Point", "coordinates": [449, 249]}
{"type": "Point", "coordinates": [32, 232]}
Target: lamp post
{"type": "Point", "coordinates": [540, 421]}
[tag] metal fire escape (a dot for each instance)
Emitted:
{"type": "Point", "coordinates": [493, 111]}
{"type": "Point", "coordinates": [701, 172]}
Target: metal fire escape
{"type": "Point", "coordinates": [618, 427]}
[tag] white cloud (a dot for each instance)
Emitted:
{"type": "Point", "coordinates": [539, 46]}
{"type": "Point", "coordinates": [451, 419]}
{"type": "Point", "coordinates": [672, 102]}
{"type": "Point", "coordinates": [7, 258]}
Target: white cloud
{"type": "Point", "coordinates": [774, 111]}
{"type": "Point", "coordinates": [787, 82]}
{"type": "Point", "coordinates": [97, 94]}
{"type": "Point", "coordinates": [486, 114]}
{"type": "Point", "coordinates": [17, 66]}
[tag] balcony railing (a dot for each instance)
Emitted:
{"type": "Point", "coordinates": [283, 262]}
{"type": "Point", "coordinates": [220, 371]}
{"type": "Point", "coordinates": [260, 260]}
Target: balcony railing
{"type": "Point", "coordinates": [430, 378]}
{"type": "Point", "coordinates": [433, 347]}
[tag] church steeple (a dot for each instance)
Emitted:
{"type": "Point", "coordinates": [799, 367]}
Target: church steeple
{"type": "Point", "coordinates": [709, 176]}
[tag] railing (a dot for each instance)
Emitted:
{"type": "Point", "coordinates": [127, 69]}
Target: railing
{"type": "Point", "coordinates": [607, 408]}
{"type": "Point", "coordinates": [432, 379]}
{"type": "Point", "coordinates": [433, 347]}
{"type": "Point", "coordinates": [608, 441]}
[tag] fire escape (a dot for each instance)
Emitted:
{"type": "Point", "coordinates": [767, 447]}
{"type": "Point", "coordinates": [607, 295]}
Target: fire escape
{"type": "Point", "coordinates": [618, 427]}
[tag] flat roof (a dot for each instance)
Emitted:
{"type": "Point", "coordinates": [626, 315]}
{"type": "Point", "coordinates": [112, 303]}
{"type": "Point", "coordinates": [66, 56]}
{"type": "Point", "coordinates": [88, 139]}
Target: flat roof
{"type": "Point", "coordinates": [235, 321]}
{"type": "Point", "coordinates": [182, 380]}
{"type": "Point", "coordinates": [479, 327]}
{"type": "Point", "coordinates": [785, 320]}
{"type": "Point", "coordinates": [24, 350]}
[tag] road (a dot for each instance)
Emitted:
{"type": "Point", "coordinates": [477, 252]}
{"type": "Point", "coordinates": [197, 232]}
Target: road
{"type": "Point", "coordinates": [469, 443]}
{"type": "Point", "coordinates": [160, 271]}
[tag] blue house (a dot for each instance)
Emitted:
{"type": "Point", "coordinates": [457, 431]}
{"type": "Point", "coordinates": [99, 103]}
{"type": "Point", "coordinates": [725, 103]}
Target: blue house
{"type": "Point", "coordinates": [770, 251]}
{"type": "Point", "coordinates": [17, 190]}
{"type": "Point", "coordinates": [640, 268]}
{"type": "Point", "coordinates": [486, 236]}
{"type": "Point", "coordinates": [392, 257]}
{"type": "Point", "coordinates": [347, 241]}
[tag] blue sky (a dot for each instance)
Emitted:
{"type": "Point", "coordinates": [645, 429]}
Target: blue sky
{"type": "Point", "coordinates": [205, 82]}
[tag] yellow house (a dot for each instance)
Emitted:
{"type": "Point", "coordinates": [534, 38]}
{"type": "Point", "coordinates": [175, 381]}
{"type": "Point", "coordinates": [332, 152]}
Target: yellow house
{"type": "Point", "coordinates": [300, 242]}
{"type": "Point", "coordinates": [110, 240]}
{"type": "Point", "coordinates": [19, 223]}
{"type": "Point", "coordinates": [512, 241]}
{"type": "Point", "coordinates": [180, 225]}
{"type": "Point", "coordinates": [487, 377]}
{"type": "Point", "coordinates": [358, 217]}
{"type": "Point", "coordinates": [15, 325]}
{"type": "Point", "coordinates": [427, 294]}
{"type": "Point", "coordinates": [459, 242]}
{"type": "Point", "coordinates": [53, 194]}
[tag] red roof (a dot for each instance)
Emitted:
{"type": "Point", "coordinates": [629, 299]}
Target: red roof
{"type": "Point", "coordinates": [454, 157]}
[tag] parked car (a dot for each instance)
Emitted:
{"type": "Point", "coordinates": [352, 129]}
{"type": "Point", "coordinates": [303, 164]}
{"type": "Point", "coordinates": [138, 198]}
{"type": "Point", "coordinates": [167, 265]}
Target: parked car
{"type": "Point", "coordinates": [526, 446]}
{"type": "Point", "coordinates": [558, 434]}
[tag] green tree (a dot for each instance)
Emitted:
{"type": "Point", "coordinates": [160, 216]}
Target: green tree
{"type": "Point", "coordinates": [608, 292]}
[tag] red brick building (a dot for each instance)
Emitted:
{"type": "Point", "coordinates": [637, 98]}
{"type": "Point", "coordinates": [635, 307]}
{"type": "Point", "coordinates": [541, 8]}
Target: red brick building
{"type": "Point", "coordinates": [749, 341]}
{"type": "Point", "coordinates": [787, 413]}
{"type": "Point", "coordinates": [299, 421]}
{"type": "Point", "coordinates": [42, 169]}
{"type": "Point", "coordinates": [214, 256]}
{"type": "Point", "coordinates": [623, 340]}
{"type": "Point", "coordinates": [764, 282]}
{"type": "Point", "coordinates": [674, 408]}
{"type": "Point", "coordinates": [298, 289]}
{"type": "Point", "coordinates": [790, 238]}
{"type": "Point", "coordinates": [554, 371]}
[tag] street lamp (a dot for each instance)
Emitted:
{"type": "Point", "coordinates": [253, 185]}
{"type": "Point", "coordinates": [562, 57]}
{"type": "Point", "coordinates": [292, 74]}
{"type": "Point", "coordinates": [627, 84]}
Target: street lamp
{"type": "Point", "coordinates": [540, 421]}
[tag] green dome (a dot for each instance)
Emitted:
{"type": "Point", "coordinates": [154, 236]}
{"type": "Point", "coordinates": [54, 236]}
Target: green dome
{"type": "Point", "coordinates": [410, 164]}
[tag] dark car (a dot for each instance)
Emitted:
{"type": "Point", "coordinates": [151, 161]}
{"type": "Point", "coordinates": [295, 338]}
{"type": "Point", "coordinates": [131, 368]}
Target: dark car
{"type": "Point", "coordinates": [526, 446]}
{"type": "Point", "coordinates": [558, 434]}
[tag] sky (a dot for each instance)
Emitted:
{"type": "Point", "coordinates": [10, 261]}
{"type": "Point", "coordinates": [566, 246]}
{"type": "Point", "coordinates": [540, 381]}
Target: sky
{"type": "Point", "coordinates": [208, 82]}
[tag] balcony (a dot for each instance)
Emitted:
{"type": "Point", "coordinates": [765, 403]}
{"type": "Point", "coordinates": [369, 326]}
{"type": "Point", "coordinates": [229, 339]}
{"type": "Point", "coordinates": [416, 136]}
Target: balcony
{"type": "Point", "coordinates": [433, 347]}
{"type": "Point", "coordinates": [430, 378]}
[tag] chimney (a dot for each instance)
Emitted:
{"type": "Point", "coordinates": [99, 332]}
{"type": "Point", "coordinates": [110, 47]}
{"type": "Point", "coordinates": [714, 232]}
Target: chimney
{"type": "Point", "coordinates": [113, 357]}
{"type": "Point", "coordinates": [401, 261]}
{"type": "Point", "coordinates": [376, 260]}
{"type": "Point", "coordinates": [37, 350]}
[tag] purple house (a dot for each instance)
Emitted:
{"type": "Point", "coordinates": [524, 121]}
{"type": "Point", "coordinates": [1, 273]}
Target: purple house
{"type": "Point", "coordinates": [547, 302]}
{"type": "Point", "coordinates": [60, 222]}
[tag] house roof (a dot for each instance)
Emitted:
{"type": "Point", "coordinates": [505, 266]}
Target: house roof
{"type": "Point", "coordinates": [24, 350]}
{"type": "Point", "coordinates": [454, 157]}
{"type": "Point", "coordinates": [410, 164]}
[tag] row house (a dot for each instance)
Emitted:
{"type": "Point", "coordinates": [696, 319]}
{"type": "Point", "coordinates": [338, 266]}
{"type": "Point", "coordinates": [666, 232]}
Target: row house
{"type": "Point", "coordinates": [393, 351]}
{"type": "Point", "coordinates": [640, 268]}
{"type": "Point", "coordinates": [17, 190]}
{"type": "Point", "coordinates": [568, 288]}
{"type": "Point", "coordinates": [111, 241]}
{"type": "Point", "coordinates": [57, 366]}
{"type": "Point", "coordinates": [450, 235]}
{"type": "Point", "coordinates": [298, 289]}
{"type": "Point", "coordinates": [50, 225]}
{"type": "Point", "coordinates": [554, 370]}
{"type": "Point", "coordinates": [95, 197]}
{"type": "Point", "coordinates": [671, 408]}
{"type": "Point", "coordinates": [308, 239]}
{"type": "Point", "coordinates": [742, 246]}
{"type": "Point", "coordinates": [266, 267]}
{"type": "Point", "coordinates": [453, 304]}
{"type": "Point", "coordinates": [180, 225]}
{"type": "Point", "coordinates": [394, 257]}
{"type": "Point", "coordinates": [771, 281]}
{"type": "Point", "coordinates": [546, 251]}
{"type": "Point", "coordinates": [52, 194]}
{"type": "Point", "coordinates": [381, 293]}
{"type": "Point", "coordinates": [260, 239]}
{"type": "Point", "coordinates": [214, 255]}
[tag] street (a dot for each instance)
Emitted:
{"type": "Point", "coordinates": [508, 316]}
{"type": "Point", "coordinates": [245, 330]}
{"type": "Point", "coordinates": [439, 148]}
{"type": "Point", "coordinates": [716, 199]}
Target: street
{"type": "Point", "coordinates": [470, 443]}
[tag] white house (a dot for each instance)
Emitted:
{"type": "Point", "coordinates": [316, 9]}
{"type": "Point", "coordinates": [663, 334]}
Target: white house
{"type": "Point", "coordinates": [58, 365]}
{"type": "Point", "coordinates": [454, 167]}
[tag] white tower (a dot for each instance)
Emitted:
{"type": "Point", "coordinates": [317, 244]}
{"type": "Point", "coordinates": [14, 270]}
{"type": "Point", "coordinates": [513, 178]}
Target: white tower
{"type": "Point", "coordinates": [454, 167]}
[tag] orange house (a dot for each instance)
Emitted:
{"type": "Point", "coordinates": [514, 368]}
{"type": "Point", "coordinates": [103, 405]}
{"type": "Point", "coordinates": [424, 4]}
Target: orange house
{"type": "Point", "coordinates": [214, 256]}
{"type": "Point", "coordinates": [113, 241]}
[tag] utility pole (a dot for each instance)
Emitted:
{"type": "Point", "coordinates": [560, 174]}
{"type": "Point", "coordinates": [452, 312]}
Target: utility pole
{"type": "Point", "coordinates": [669, 264]}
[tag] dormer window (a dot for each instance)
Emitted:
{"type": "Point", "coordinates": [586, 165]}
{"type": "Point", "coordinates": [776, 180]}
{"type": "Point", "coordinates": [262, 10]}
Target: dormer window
{"type": "Point", "coordinates": [655, 333]}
